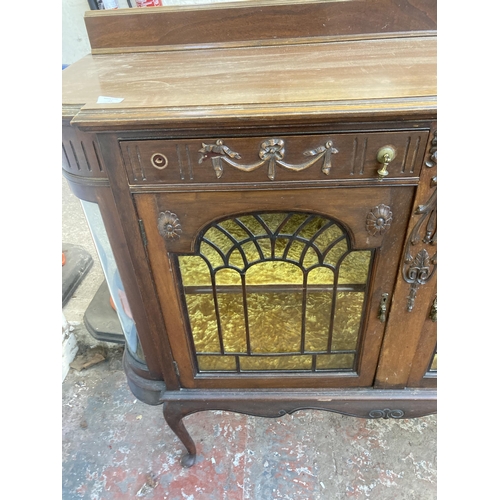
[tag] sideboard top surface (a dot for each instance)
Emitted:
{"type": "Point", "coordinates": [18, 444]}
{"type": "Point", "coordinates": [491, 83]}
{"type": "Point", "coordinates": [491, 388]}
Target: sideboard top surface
{"type": "Point", "coordinates": [373, 76]}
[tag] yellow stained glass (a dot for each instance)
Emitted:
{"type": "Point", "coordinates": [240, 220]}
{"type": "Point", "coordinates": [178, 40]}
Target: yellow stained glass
{"type": "Point", "coordinates": [203, 322]}
{"type": "Point", "coordinates": [250, 251]}
{"type": "Point", "coordinates": [232, 316]}
{"type": "Point", "coordinates": [274, 272]}
{"type": "Point", "coordinates": [232, 320]}
{"type": "Point", "coordinates": [252, 224]}
{"type": "Point", "coordinates": [328, 236]}
{"type": "Point", "coordinates": [334, 254]}
{"type": "Point", "coordinates": [274, 294]}
{"type": "Point", "coordinates": [293, 223]}
{"type": "Point", "coordinates": [348, 309]}
{"type": "Point", "coordinates": [295, 250]}
{"type": "Point", "coordinates": [216, 363]}
{"type": "Point", "coordinates": [312, 227]}
{"type": "Point", "coordinates": [280, 246]}
{"type": "Point", "coordinates": [276, 363]}
{"type": "Point", "coordinates": [318, 310]}
{"type": "Point", "coordinates": [219, 238]}
{"type": "Point", "coordinates": [275, 321]}
{"type": "Point", "coordinates": [236, 259]}
{"type": "Point", "coordinates": [311, 258]}
{"type": "Point", "coordinates": [236, 231]}
{"type": "Point", "coordinates": [354, 268]}
{"type": "Point", "coordinates": [272, 220]}
{"type": "Point", "coordinates": [334, 361]}
{"type": "Point", "coordinates": [211, 254]}
{"type": "Point", "coordinates": [265, 246]}
{"type": "Point", "coordinates": [194, 271]}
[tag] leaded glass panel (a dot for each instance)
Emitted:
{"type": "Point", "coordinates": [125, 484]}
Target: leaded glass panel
{"type": "Point", "coordinates": [275, 292]}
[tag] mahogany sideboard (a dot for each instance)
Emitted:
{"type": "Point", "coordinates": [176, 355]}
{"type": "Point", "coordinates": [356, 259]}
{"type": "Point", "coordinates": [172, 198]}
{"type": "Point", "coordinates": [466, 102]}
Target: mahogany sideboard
{"type": "Point", "coordinates": [260, 182]}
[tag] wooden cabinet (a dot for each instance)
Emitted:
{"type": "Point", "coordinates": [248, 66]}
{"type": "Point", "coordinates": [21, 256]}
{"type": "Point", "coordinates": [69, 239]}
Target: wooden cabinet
{"type": "Point", "coordinates": [269, 200]}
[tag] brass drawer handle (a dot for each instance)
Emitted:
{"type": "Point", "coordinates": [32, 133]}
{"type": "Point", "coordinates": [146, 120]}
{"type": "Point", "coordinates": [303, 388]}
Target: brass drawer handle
{"type": "Point", "coordinates": [382, 312]}
{"type": "Point", "coordinates": [385, 155]}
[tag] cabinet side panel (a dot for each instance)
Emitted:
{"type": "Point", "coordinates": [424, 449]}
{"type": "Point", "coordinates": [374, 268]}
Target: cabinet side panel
{"type": "Point", "coordinates": [416, 286]}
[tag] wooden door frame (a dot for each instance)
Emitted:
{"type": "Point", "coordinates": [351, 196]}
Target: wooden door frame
{"type": "Point", "coordinates": [164, 272]}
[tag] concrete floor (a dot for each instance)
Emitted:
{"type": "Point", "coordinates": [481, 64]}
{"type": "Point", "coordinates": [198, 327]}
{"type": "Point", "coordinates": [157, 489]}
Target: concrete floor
{"type": "Point", "coordinates": [115, 447]}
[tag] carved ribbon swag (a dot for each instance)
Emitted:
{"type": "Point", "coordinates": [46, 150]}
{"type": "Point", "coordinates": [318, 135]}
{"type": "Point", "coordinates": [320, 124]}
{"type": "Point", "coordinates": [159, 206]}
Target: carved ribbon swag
{"type": "Point", "coordinates": [272, 152]}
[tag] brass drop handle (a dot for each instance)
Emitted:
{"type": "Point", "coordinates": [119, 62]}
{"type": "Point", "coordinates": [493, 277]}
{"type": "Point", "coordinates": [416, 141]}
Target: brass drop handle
{"type": "Point", "coordinates": [382, 312]}
{"type": "Point", "coordinates": [384, 156]}
{"type": "Point", "coordinates": [434, 311]}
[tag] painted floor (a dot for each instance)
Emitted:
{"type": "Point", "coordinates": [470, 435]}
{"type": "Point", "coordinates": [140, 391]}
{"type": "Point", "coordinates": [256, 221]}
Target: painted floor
{"type": "Point", "coordinates": [115, 447]}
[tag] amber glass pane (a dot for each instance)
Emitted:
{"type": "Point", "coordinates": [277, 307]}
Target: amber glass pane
{"type": "Point", "coordinates": [295, 250]}
{"type": "Point", "coordinates": [216, 363]}
{"type": "Point", "coordinates": [293, 223]}
{"type": "Point", "coordinates": [203, 322]}
{"type": "Point", "coordinates": [276, 363]}
{"type": "Point", "coordinates": [265, 246]}
{"type": "Point", "coordinates": [354, 268]}
{"type": "Point", "coordinates": [348, 309]}
{"type": "Point", "coordinates": [226, 276]}
{"type": "Point", "coordinates": [272, 221]}
{"type": "Point", "coordinates": [275, 321]}
{"type": "Point", "coordinates": [311, 258]}
{"type": "Point", "coordinates": [236, 259]}
{"type": "Point", "coordinates": [211, 254]}
{"type": "Point", "coordinates": [274, 292]}
{"type": "Point", "coordinates": [333, 255]}
{"type": "Point", "coordinates": [236, 231]}
{"type": "Point", "coordinates": [220, 239]}
{"type": "Point", "coordinates": [194, 271]}
{"type": "Point", "coordinates": [328, 236]}
{"type": "Point", "coordinates": [334, 361]}
{"type": "Point", "coordinates": [232, 316]}
{"type": "Point", "coordinates": [318, 310]}
{"type": "Point", "coordinates": [274, 273]}
{"type": "Point", "coordinates": [250, 251]}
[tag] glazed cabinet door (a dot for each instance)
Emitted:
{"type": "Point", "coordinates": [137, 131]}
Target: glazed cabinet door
{"type": "Point", "coordinates": [275, 288]}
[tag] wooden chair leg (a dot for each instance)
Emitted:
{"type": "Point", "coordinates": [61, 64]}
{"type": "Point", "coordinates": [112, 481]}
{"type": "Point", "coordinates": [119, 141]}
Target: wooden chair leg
{"type": "Point", "coordinates": [173, 417]}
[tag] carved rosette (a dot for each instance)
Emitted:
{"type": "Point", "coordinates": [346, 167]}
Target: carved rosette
{"type": "Point", "coordinates": [272, 153]}
{"type": "Point", "coordinates": [378, 220]}
{"type": "Point", "coordinates": [169, 225]}
{"type": "Point", "coordinates": [386, 413]}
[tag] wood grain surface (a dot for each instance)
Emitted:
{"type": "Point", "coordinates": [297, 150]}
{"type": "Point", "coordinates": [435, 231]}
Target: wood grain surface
{"type": "Point", "coordinates": [257, 22]}
{"type": "Point", "coordinates": [333, 78]}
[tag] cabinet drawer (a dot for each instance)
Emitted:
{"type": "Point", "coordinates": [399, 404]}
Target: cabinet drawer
{"type": "Point", "coordinates": [220, 160]}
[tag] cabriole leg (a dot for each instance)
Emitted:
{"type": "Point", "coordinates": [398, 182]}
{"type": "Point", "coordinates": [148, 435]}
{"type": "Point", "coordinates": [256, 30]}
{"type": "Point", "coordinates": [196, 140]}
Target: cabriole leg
{"type": "Point", "coordinates": [173, 417]}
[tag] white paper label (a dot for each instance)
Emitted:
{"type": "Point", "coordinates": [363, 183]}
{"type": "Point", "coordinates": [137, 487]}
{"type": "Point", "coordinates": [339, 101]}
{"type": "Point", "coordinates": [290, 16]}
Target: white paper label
{"type": "Point", "coordinates": [109, 100]}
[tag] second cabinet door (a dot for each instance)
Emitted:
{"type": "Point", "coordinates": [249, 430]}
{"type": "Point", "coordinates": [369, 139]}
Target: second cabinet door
{"type": "Point", "coordinates": [276, 288]}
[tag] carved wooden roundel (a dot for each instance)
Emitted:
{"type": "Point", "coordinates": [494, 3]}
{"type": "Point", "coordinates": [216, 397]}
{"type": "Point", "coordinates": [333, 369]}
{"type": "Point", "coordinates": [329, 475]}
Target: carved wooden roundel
{"type": "Point", "coordinates": [159, 161]}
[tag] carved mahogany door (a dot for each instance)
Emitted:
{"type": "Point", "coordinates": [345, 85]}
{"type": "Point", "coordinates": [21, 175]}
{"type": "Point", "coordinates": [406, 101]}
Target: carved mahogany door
{"type": "Point", "coordinates": [275, 288]}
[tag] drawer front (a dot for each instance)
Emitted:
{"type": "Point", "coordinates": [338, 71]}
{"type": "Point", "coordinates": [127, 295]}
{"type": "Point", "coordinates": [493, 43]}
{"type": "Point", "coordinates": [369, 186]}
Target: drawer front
{"type": "Point", "coordinates": [266, 159]}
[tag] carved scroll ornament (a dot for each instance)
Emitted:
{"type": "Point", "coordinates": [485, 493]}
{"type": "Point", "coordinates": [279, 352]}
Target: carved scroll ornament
{"type": "Point", "coordinates": [420, 267]}
{"type": "Point", "coordinates": [272, 153]}
{"type": "Point", "coordinates": [386, 413]}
